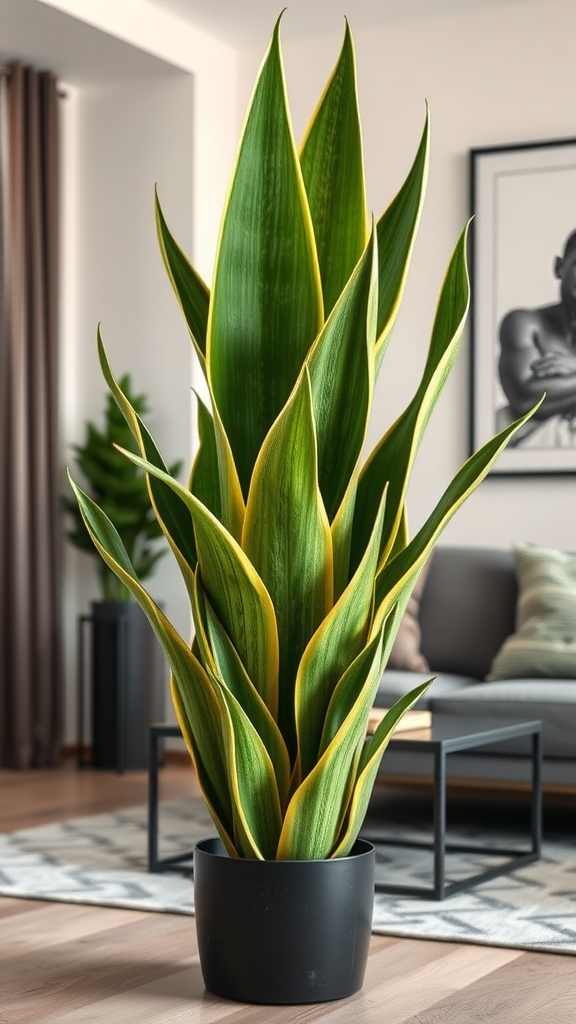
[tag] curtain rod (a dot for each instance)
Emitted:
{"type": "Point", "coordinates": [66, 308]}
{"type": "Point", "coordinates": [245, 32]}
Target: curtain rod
{"type": "Point", "coordinates": [6, 71]}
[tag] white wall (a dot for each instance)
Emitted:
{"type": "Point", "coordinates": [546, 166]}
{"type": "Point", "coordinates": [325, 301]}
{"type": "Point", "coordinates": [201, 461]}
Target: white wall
{"type": "Point", "coordinates": [492, 77]}
{"type": "Point", "coordinates": [148, 29]}
{"type": "Point", "coordinates": [122, 133]}
{"type": "Point", "coordinates": [127, 137]}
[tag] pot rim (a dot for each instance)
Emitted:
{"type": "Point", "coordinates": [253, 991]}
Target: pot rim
{"type": "Point", "coordinates": [367, 850]}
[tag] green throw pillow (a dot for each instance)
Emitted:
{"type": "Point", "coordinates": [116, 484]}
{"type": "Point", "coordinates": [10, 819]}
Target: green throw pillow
{"type": "Point", "coordinates": [544, 643]}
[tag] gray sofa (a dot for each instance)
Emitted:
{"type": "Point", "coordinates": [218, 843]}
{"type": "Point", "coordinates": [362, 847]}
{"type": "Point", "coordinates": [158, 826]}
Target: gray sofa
{"type": "Point", "coordinates": [467, 609]}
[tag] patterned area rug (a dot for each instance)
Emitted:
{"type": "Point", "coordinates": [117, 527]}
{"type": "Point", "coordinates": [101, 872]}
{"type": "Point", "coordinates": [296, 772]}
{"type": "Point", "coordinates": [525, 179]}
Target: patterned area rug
{"type": "Point", "coordinates": [102, 860]}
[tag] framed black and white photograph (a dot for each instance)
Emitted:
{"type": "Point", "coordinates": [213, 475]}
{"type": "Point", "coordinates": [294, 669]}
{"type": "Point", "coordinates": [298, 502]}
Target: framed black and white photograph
{"type": "Point", "coordinates": [523, 318]}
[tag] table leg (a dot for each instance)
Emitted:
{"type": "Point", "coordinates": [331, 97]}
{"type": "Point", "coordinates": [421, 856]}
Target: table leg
{"type": "Point", "coordinates": [536, 803]}
{"type": "Point", "coordinates": [439, 823]}
{"type": "Point", "coordinates": [153, 801]}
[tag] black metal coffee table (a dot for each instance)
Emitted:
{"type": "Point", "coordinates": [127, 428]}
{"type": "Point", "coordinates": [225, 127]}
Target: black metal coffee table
{"type": "Point", "coordinates": [448, 734]}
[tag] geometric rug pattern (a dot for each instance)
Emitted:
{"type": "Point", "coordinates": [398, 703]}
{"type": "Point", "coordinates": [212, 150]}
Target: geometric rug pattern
{"type": "Point", "coordinates": [101, 860]}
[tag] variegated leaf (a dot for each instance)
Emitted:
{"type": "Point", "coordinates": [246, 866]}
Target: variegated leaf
{"type": "Point", "coordinates": [192, 294]}
{"type": "Point", "coordinates": [234, 588]}
{"type": "Point", "coordinates": [334, 646]}
{"type": "Point", "coordinates": [198, 702]}
{"type": "Point", "coordinates": [316, 810]}
{"type": "Point", "coordinates": [266, 306]}
{"type": "Point", "coordinates": [287, 538]}
{"type": "Point", "coordinates": [393, 458]}
{"type": "Point", "coordinates": [333, 169]}
{"type": "Point", "coordinates": [341, 365]}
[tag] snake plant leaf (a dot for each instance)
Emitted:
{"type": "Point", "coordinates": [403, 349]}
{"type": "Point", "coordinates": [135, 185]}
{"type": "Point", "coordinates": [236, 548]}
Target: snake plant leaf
{"type": "Point", "coordinates": [344, 694]}
{"type": "Point", "coordinates": [334, 646]}
{"type": "Point", "coordinates": [342, 527]}
{"type": "Point", "coordinates": [341, 365]}
{"type": "Point", "coordinates": [174, 519]}
{"type": "Point", "coordinates": [226, 832]}
{"type": "Point", "coordinates": [266, 307]}
{"type": "Point", "coordinates": [232, 674]}
{"type": "Point", "coordinates": [255, 799]}
{"type": "Point", "coordinates": [204, 478]}
{"type": "Point", "coordinates": [196, 692]}
{"type": "Point", "coordinates": [253, 783]}
{"type": "Point", "coordinates": [393, 458]}
{"type": "Point", "coordinates": [368, 766]}
{"type": "Point", "coordinates": [316, 810]}
{"type": "Point", "coordinates": [333, 168]}
{"type": "Point", "coordinates": [192, 294]}
{"type": "Point", "coordinates": [234, 588]}
{"type": "Point", "coordinates": [287, 538]}
{"type": "Point", "coordinates": [396, 231]}
{"type": "Point", "coordinates": [231, 497]}
{"type": "Point", "coordinates": [401, 572]}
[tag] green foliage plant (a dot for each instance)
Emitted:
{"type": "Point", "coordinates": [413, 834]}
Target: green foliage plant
{"type": "Point", "coordinates": [294, 552]}
{"type": "Point", "coordinates": [119, 487]}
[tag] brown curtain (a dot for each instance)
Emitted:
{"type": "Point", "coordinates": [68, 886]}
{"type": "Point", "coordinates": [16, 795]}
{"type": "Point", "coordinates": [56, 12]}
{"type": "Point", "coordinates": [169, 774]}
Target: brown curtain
{"type": "Point", "coordinates": [30, 558]}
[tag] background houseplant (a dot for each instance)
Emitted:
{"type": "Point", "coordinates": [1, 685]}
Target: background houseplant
{"type": "Point", "coordinates": [119, 488]}
{"type": "Point", "coordinates": [124, 658]}
{"type": "Point", "coordinates": [295, 556]}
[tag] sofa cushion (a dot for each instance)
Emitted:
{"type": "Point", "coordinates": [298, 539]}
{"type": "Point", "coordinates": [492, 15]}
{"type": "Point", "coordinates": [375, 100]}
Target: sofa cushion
{"type": "Point", "coordinates": [544, 643]}
{"type": "Point", "coordinates": [406, 653]}
{"type": "Point", "coordinates": [467, 608]}
{"type": "Point", "coordinates": [394, 684]}
{"type": "Point", "coordinates": [553, 701]}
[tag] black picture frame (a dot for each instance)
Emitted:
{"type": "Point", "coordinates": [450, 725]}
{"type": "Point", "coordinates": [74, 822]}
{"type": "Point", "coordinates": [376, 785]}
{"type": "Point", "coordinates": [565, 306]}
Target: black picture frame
{"type": "Point", "coordinates": [523, 201]}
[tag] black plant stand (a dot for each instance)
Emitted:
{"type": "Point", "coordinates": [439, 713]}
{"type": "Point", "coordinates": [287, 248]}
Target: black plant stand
{"type": "Point", "coordinates": [126, 675]}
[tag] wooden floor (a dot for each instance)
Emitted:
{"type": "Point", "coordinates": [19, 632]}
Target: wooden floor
{"type": "Point", "coordinates": [70, 964]}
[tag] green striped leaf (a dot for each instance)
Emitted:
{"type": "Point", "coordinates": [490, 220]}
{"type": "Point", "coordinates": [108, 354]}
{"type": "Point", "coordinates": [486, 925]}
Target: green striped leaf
{"type": "Point", "coordinates": [231, 497]}
{"type": "Point", "coordinates": [396, 231]}
{"type": "Point", "coordinates": [333, 169]}
{"type": "Point", "coordinates": [233, 675]}
{"type": "Point", "coordinates": [368, 766]}
{"type": "Point", "coordinates": [316, 810]}
{"type": "Point", "coordinates": [400, 573]}
{"type": "Point", "coordinates": [393, 458]}
{"type": "Point", "coordinates": [266, 307]}
{"type": "Point", "coordinates": [341, 528]}
{"type": "Point", "coordinates": [235, 590]}
{"type": "Point", "coordinates": [192, 294]}
{"type": "Point", "coordinates": [183, 710]}
{"type": "Point", "coordinates": [204, 478]}
{"type": "Point", "coordinates": [173, 518]}
{"type": "Point", "coordinates": [198, 702]}
{"type": "Point", "coordinates": [341, 365]}
{"type": "Point", "coordinates": [334, 646]}
{"type": "Point", "coordinates": [287, 538]}
{"type": "Point", "coordinates": [255, 799]}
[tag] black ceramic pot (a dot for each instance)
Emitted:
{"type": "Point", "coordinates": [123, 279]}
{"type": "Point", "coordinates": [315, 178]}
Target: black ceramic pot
{"type": "Point", "coordinates": [283, 931]}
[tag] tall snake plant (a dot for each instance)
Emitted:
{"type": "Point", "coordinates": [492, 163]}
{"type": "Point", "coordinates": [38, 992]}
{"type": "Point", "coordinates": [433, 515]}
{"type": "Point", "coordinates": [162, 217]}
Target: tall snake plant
{"type": "Point", "coordinates": [294, 552]}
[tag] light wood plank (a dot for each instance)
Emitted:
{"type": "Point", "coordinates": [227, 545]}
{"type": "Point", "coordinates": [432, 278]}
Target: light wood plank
{"type": "Point", "coordinates": [50, 924]}
{"type": "Point", "coordinates": [537, 988]}
{"type": "Point", "coordinates": [435, 974]}
{"type": "Point", "coordinates": [42, 796]}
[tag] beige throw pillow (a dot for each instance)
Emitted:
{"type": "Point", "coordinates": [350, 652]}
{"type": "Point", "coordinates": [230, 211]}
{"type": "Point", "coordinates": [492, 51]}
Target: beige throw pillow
{"type": "Point", "coordinates": [406, 654]}
{"type": "Point", "coordinates": [544, 643]}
